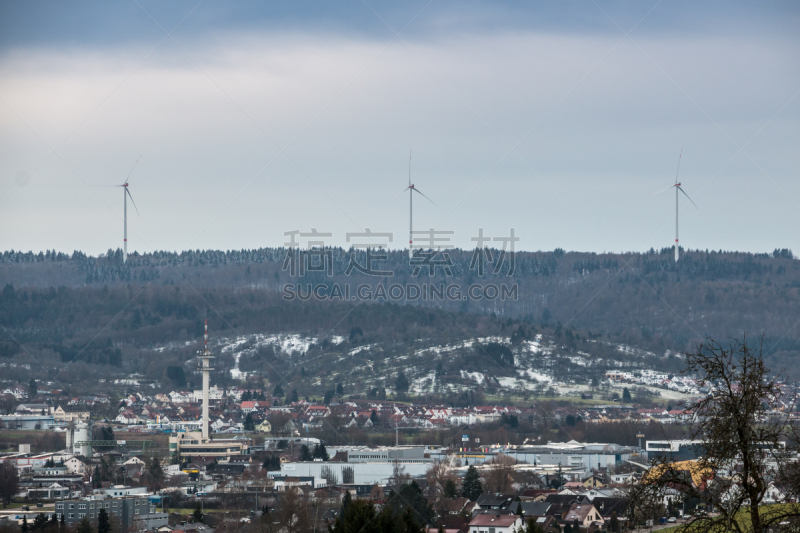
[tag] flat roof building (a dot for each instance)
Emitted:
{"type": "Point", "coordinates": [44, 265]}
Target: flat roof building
{"type": "Point", "coordinates": [132, 512]}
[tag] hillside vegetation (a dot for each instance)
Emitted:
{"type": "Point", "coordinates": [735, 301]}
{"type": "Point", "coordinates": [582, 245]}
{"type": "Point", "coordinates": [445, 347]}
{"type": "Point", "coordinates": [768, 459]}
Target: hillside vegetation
{"type": "Point", "coordinates": [79, 310]}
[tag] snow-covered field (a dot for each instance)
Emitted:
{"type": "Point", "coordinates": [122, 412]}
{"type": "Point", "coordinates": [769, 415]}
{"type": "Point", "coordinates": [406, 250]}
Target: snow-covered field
{"type": "Point", "coordinates": [374, 365]}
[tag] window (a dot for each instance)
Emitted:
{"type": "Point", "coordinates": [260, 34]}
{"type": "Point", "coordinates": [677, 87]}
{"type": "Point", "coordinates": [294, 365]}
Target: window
{"type": "Point", "coordinates": [72, 515]}
{"type": "Point", "coordinates": [81, 506]}
{"type": "Point", "coordinates": [91, 515]}
{"type": "Point", "coordinates": [72, 506]}
{"type": "Point", "coordinates": [59, 506]}
{"type": "Point", "coordinates": [81, 515]}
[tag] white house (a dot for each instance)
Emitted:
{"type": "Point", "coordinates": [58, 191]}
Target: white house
{"type": "Point", "coordinates": [497, 523]}
{"type": "Point", "coordinates": [133, 461]}
{"type": "Point", "coordinates": [76, 465]}
{"type": "Point", "coordinates": [214, 393]}
{"type": "Point", "coordinates": [180, 396]}
{"type": "Point", "coordinates": [127, 417]}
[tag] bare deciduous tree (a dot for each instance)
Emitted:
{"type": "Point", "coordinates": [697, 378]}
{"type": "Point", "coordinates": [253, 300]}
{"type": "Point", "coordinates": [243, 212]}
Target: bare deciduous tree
{"type": "Point", "coordinates": [749, 445]}
{"type": "Point", "coordinates": [497, 477]}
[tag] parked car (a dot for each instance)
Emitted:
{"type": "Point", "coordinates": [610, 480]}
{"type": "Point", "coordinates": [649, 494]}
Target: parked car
{"type": "Point", "coordinates": [672, 520]}
{"type": "Point", "coordinates": [39, 505]}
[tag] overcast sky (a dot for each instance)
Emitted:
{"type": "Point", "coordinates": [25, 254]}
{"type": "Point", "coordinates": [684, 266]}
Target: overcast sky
{"type": "Point", "coordinates": [557, 119]}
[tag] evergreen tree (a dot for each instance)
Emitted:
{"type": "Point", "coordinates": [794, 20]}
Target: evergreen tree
{"type": "Point", "coordinates": [401, 383]}
{"type": "Point", "coordinates": [320, 452]}
{"type": "Point", "coordinates": [154, 473]}
{"type": "Point", "coordinates": [39, 522]}
{"type": "Point", "coordinates": [450, 489]}
{"type": "Point", "coordinates": [24, 527]}
{"type": "Point", "coordinates": [84, 526]}
{"type": "Point", "coordinates": [265, 513]}
{"type": "Point", "coordinates": [411, 504]}
{"type": "Point", "coordinates": [294, 397]}
{"type": "Point", "coordinates": [472, 487]}
{"type": "Point", "coordinates": [32, 390]}
{"type": "Point", "coordinates": [103, 523]}
{"type": "Point", "coordinates": [305, 453]}
{"type": "Point", "coordinates": [373, 417]}
{"type": "Point", "coordinates": [613, 523]}
{"type": "Point", "coordinates": [328, 396]}
{"type": "Point", "coordinates": [339, 389]}
{"type": "Point", "coordinates": [346, 503]}
{"type": "Point", "coordinates": [278, 391]}
{"type": "Point", "coordinates": [198, 513]}
{"type": "Point", "coordinates": [626, 394]}
{"type": "Point", "coordinates": [249, 425]}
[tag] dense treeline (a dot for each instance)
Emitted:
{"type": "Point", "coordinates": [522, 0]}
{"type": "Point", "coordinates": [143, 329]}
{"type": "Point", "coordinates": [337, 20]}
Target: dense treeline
{"type": "Point", "coordinates": [645, 300]}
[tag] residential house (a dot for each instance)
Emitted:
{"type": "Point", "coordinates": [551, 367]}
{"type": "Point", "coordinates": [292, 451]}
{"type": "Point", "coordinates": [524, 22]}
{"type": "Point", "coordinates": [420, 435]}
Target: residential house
{"type": "Point", "coordinates": [495, 501]}
{"type": "Point", "coordinates": [252, 406]}
{"type": "Point", "coordinates": [77, 465]}
{"type": "Point", "coordinates": [127, 417]}
{"type": "Point", "coordinates": [585, 514]}
{"type": "Point", "coordinates": [180, 397]}
{"type": "Point", "coordinates": [497, 523]}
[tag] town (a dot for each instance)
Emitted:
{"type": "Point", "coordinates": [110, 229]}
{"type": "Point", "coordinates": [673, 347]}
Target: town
{"type": "Point", "coordinates": [257, 458]}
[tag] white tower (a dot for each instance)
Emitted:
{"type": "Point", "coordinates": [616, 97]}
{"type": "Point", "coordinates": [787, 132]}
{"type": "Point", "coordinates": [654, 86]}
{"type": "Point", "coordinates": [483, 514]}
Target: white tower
{"type": "Point", "coordinates": [206, 368]}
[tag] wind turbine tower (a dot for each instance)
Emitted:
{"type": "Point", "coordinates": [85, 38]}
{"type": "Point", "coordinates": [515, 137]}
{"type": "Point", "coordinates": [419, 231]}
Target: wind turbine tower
{"type": "Point", "coordinates": [125, 194]}
{"type": "Point", "coordinates": [411, 190]}
{"type": "Point", "coordinates": [678, 188]}
{"type": "Point", "coordinates": [205, 366]}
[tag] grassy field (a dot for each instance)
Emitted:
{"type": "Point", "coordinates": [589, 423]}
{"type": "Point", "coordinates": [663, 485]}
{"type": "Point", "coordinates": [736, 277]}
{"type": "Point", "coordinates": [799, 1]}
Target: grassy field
{"type": "Point", "coordinates": [743, 517]}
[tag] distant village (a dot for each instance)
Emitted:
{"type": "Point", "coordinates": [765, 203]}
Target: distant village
{"type": "Point", "coordinates": [147, 461]}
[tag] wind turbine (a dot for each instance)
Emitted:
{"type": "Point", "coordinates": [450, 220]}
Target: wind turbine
{"type": "Point", "coordinates": [125, 194]}
{"type": "Point", "coordinates": [677, 187]}
{"type": "Point", "coordinates": [411, 190]}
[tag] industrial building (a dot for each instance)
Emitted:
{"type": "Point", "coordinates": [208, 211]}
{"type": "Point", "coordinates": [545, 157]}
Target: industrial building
{"type": "Point", "coordinates": [572, 454]}
{"type": "Point", "coordinates": [676, 450]}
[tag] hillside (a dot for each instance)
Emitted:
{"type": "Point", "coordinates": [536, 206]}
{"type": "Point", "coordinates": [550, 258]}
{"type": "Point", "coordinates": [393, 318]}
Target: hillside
{"type": "Point", "coordinates": [79, 337]}
{"type": "Point", "coordinates": [643, 299]}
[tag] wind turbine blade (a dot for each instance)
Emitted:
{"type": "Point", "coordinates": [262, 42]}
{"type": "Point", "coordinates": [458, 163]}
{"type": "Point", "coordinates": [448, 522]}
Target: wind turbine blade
{"type": "Point", "coordinates": [409, 168]}
{"type": "Point", "coordinates": [679, 166]}
{"type": "Point", "coordinates": [417, 190]}
{"type": "Point", "coordinates": [687, 196]}
{"type": "Point", "coordinates": [131, 172]}
{"type": "Point", "coordinates": [396, 194]}
{"type": "Point", "coordinates": [662, 190]}
{"type": "Point", "coordinates": [131, 197]}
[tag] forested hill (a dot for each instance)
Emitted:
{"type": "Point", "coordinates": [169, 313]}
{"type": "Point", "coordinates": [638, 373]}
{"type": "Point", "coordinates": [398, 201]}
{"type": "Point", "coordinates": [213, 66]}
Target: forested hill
{"type": "Point", "coordinates": [645, 299]}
